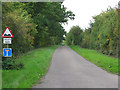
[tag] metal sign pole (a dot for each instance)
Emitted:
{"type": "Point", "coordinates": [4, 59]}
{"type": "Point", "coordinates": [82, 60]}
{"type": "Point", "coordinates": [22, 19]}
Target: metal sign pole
{"type": "Point", "coordinates": [7, 35]}
{"type": "Point", "coordinates": [7, 46]}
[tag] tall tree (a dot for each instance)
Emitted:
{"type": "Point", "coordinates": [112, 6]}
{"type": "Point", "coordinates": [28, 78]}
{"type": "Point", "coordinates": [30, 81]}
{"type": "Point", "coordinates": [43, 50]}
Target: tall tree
{"type": "Point", "coordinates": [74, 37]}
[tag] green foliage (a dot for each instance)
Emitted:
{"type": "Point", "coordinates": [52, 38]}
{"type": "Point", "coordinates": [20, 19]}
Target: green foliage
{"type": "Point", "coordinates": [11, 64]}
{"type": "Point", "coordinates": [34, 25]}
{"type": "Point", "coordinates": [86, 38]}
{"type": "Point", "coordinates": [50, 16]}
{"type": "Point", "coordinates": [102, 34]}
{"type": "Point", "coordinates": [74, 36]}
{"type": "Point", "coordinates": [20, 23]}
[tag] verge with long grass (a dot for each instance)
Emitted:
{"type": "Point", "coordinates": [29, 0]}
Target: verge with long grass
{"type": "Point", "coordinates": [36, 64]}
{"type": "Point", "coordinates": [107, 63]}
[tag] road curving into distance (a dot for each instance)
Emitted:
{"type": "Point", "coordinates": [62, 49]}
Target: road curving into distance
{"type": "Point", "coordinates": [70, 70]}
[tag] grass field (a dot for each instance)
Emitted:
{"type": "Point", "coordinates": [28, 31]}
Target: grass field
{"type": "Point", "coordinates": [0, 79]}
{"type": "Point", "coordinates": [36, 64]}
{"type": "Point", "coordinates": [107, 63]}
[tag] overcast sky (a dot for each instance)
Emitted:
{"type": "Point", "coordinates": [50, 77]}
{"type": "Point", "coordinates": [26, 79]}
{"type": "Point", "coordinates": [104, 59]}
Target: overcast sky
{"type": "Point", "coordinates": [85, 9]}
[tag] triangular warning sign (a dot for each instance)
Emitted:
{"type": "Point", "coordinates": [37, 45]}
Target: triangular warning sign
{"type": "Point", "coordinates": [7, 33]}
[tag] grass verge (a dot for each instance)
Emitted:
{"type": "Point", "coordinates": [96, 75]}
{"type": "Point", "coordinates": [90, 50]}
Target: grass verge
{"type": "Point", "coordinates": [107, 63]}
{"type": "Point", "coordinates": [0, 79]}
{"type": "Point", "coordinates": [36, 64]}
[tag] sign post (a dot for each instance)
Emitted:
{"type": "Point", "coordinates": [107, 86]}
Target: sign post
{"type": "Point", "coordinates": [7, 52]}
{"type": "Point", "coordinates": [7, 35]}
{"type": "Point", "coordinates": [7, 40]}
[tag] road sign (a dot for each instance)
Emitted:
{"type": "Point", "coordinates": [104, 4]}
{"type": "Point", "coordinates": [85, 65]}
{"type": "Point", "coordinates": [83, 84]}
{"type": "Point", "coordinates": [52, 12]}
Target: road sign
{"type": "Point", "coordinates": [7, 52]}
{"type": "Point", "coordinates": [7, 41]}
{"type": "Point", "coordinates": [7, 33]}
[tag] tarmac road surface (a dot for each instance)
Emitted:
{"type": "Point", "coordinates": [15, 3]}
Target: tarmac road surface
{"type": "Point", "coordinates": [70, 70]}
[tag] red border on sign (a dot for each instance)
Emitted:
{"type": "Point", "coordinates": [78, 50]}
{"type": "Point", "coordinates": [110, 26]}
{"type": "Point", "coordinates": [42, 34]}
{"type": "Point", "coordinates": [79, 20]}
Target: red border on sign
{"type": "Point", "coordinates": [7, 36]}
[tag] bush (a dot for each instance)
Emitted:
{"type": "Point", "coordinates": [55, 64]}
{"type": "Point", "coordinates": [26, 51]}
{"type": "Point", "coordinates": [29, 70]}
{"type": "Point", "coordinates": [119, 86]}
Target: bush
{"type": "Point", "coordinates": [9, 63]}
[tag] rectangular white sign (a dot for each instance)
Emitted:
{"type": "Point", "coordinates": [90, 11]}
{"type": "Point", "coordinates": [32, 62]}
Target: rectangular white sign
{"type": "Point", "coordinates": [7, 40]}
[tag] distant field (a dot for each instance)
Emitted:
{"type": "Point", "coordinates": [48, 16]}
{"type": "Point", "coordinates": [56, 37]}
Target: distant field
{"type": "Point", "coordinates": [107, 63]}
{"type": "Point", "coordinates": [36, 64]}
